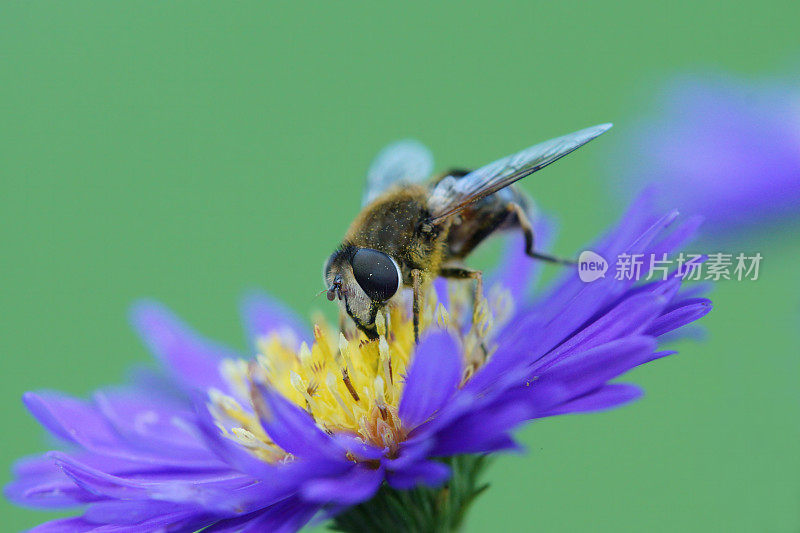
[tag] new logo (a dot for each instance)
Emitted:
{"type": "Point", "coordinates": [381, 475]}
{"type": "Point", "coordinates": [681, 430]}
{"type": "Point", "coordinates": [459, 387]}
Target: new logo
{"type": "Point", "coordinates": [591, 266]}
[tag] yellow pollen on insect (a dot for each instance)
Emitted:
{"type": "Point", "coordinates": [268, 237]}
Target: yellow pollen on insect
{"type": "Point", "coordinates": [349, 384]}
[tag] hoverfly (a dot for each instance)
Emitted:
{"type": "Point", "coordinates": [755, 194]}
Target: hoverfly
{"type": "Point", "coordinates": [412, 228]}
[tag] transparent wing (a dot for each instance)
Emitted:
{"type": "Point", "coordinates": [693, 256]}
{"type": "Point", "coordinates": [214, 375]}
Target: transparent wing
{"type": "Point", "coordinates": [453, 194]}
{"type": "Point", "coordinates": [406, 161]}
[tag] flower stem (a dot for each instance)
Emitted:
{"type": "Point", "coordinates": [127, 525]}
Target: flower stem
{"type": "Point", "coordinates": [421, 509]}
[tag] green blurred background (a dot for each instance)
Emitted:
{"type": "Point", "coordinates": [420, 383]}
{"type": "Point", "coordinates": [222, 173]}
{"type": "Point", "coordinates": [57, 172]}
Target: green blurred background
{"type": "Point", "coordinates": [187, 151]}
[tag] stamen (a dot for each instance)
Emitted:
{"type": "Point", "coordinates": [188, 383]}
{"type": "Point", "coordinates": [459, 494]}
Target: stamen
{"type": "Point", "coordinates": [248, 439]}
{"type": "Point", "coordinates": [386, 434]}
{"type": "Point", "coordinates": [380, 394]}
{"type": "Point", "coordinates": [322, 342]}
{"type": "Point", "coordinates": [349, 384]}
{"type": "Point", "coordinates": [502, 303]}
{"type": "Point", "coordinates": [344, 351]}
{"type": "Point", "coordinates": [383, 347]}
{"type": "Point", "coordinates": [234, 372]}
{"type": "Point", "coordinates": [221, 427]}
{"type": "Point", "coordinates": [442, 317]}
{"type": "Point", "coordinates": [380, 324]}
{"type": "Point", "coordinates": [304, 354]}
{"type": "Point", "coordinates": [266, 364]}
{"type": "Point", "coordinates": [330, 382]}
{"type": "Point", "coordinates": [299, 386]}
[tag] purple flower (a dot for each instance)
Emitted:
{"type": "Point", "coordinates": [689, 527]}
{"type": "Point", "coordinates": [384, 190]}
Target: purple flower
{"type": "Point", "coordinates": [725, 148]}
{"type": "Point", "coordinates": [317, 422]}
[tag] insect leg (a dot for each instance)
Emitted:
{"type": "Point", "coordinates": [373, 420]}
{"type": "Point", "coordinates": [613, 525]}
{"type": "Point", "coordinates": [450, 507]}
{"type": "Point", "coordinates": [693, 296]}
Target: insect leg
{"type": "Point", "coordinates": [527, 230]}
{"type": "Point", "coordinates": [416, 276]}
{"type": "Point", "coordinates": [477, 299]}
{"type": "Point", "coordinates": [466, 273]}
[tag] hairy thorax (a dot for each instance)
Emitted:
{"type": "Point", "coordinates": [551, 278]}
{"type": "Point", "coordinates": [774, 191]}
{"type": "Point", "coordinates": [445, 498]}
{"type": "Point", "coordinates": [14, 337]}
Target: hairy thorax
{"type": "Point", "coordinates": [398, 223]}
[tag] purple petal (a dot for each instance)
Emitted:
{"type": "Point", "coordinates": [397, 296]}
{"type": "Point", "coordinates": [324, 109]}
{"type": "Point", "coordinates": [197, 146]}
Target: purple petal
{"type": "Point", "coordinates": [293, 429]}
{"type": "Point", "coordinates": [659, 355]}
{"type": "Point", "coordinates": [286, 516]}
{"type": "Point", "coordinates": [153, 423]}
{"type": "Point", "coordinates": [279, 480]}
{"type": "Point", "coordinates": [263, 315]}
{"type": "Point", "coordinates": [440, 286]}
{"type": "Point", "coordinates": [411, 451]}
{"type": "Point", "coordinates": [481, 431]}
{"type": "Point", "coordinates": [80, 422]}
{"type": "Point", "coordinates": [192, 360]}
{"type": "Point", "coordinates": [508, 366]}
{"type": "Point", "coordinates": [130, 512]}
{"type": "Point", "coordinates": [686, 312]}
{"type": "Point", "coordinates": [636, 229]}
{"type": "Point", "coordinates": [40, 483]}
{"type": "Point", "coordinates": [573, 302]}
{"type": "Point", "coordinates": [136, 516]}
{"type": "Point", "coordinates": [226, 449]}
{"type": "Point", "coordinates": [630, 317]}
{"type": "Point", "coordinates": [684, 232]}
{"type": "Point", "coordinates": [208, 489]}
{"type": "Point", "coordinates": [64, 525]}
{"type": "Point", "coordinates": [430, 473]}
{"type": "Point", "coordinates": [434, 376]}
{"type": "Point", "coordinates": [606, 397]}
{"type": "Point", "coordinates": [580, 373]}
{"type": "Point", "coordinates": [358, 485]}
{"type": "Point", "coordinates": [156, 383]}
{"type": "Point", "coordinates": [667, 288]}
{"type": "Point", "coordinates": [358, 447]}
{"type": "Point", "coordinates": [70, 419]}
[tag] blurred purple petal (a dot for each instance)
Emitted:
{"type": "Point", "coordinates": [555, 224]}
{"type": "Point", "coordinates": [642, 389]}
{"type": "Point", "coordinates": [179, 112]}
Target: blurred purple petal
{"type": "Point", "coordinates": [163, 484]}
{"type": "Point", "coordinates": [65, 525]}
{"type": "Point", "coordinates": [192, 360]}
{"type": "Point", "coordinates": [722, 147]}
{"type": "Point", "coordinates": [40, 483]}
{"type": "Point", "coordinates": [151, 423]}
{"type": "Point", "coordinates": [263, 315]}
{"type": "Point", "coordinates": [81, 422]}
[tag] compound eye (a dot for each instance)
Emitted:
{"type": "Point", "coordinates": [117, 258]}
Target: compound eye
{"type": "Point", "coordinates": [376, 273]}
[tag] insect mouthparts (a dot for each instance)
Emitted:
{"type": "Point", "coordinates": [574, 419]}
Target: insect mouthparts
{"type": "Point", "coordinates": [335, 289]}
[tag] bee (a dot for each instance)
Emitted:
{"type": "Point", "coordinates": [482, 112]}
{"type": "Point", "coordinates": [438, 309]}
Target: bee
{"type": "Point", "coordinates": [413, 228]}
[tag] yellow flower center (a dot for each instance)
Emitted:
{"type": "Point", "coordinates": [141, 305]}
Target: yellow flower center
{"type": "Point", "coordinates": [347, 383]}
